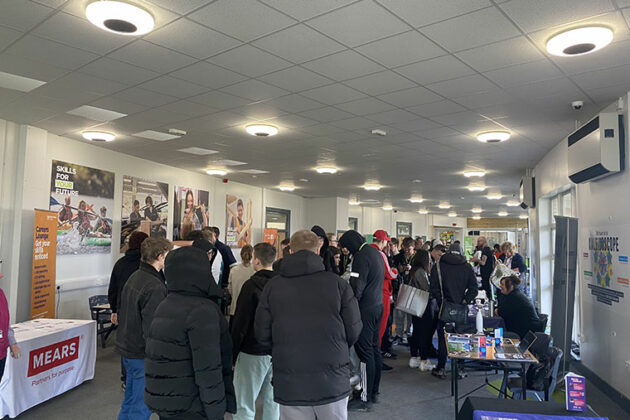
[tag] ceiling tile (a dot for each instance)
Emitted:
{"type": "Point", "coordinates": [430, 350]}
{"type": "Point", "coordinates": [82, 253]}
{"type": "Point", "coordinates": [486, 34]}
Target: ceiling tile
{"type": "Point", "coordinates": [305, 9]}
{"type": "Point", "coordinates": [298, 44]}
{"type": "Point", "coordinates": [343, 65]}
{"type": "Point", "coordinates": [484, 99]}
{"type": "Point", "coordinates": [524, 73]}
{"type": "Point", "coordinates": [471, 30]}
{"type": "Point", "coordinates": [326, 129]}
{"type": "Point", "coordinates": [241, 19]}
{"type": "Point", "coordinates": [219, 100]}
{"type": "Point", "coordinates": [326, 114]}
{"type": "Point", "coordinates": [174, 87]}
{"type": "Point", "coordinates": [191, 38]}
{"type": "Point", "coordinates": [532, 15]}
{"type": "Point", "coordinates": [118, 71]}
{"type": "Point", "coordinates": [79, 33]}
{"type": "Point", "coordinates": [292, 121]}
{"type": "Point", "coordinates": [379, 83]}
{"type": "Point", "coordinates": [354, 123]}
{"type": "Point", "coordinates": [180, 6]}
{"type": "Point", "coordinates": [416, 125]}
{"type": "Point", "coordinates": [354, 25]}
{"type": "Point", "coordinates": [150, 56]}
{"type": "Point", "coordinates": [144, 97]}
{"type": "Point", "coordinates": [393, 116]}
{"type": "Point", "coordinates": [513, 51]}
{"type": "Point", "coordinates": [209, 75]}
{"type": "Point", "coordinates": [429, 11]}
{"type": "Point", "coordinates": [410, 97]}
{"type": "Point", "coordinates": [62, 124]}
{"type": "Point", "coordinates": [120, 105]}
{"type": "Point", "coordinates": [296, 79]}
{"type": "Point", "coordinates": [333, 94]}
{"type": "Point", "coordinates": [463, 86]}
{"type": "Point", "coordinates": [250, 61]}
{"type": "Point", "coordinates": [31, 68]}
{"type": "Point", "coordinates": [254, 90]}
{"type": "Point", "coordinates": [18, 16]}
{"type": "Point", "coordinates": [435, 70]}
{"type": "Point", "coordinates": [9, 95]}
{"type": "Point", "coordinates": [50, 3]}
{"type": "Point", "coordinates": [603, 78]}
{"type": "Point", "coordinates": [190, 109]}
{"type": "Point", "coordinates": [259, 111]}
{"type": "Point", "coordinates": [436, 108]}
{"type": "Point", "coordinates": [366, 106]}
{"type": "Point", "coordinates": [77, 83]}
{"type": "Point", "coordinates": [295, 103]}
{"type": "Point", "coordinates": [389, 53]}
{"type": "Point", "coordinates": [50, 52]}
{"type": "Point", "coordinates": [561, 86]}
{"type": "Point", "coordinates": [8, 36]}
{"type": "Point", "coordinates": [466, 117]}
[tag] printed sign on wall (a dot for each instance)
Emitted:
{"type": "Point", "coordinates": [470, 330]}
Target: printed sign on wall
{"type": "Point", "coordinates": [190, 211]}
{"type": "Point", "coordinates": [144, 208]}
{"type": "Point", "coordinates": [44, 265]}
{"type": "Point", "coordinates": [238, 232]}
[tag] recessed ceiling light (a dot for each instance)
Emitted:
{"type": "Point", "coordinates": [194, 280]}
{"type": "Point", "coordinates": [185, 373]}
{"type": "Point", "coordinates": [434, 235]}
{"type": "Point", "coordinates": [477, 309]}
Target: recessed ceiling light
{"type": "Point", "coordinates": [494, 196]}
{"type": "Point", "coordinates": [452, 214]}
{"type": "Point", "coordinates": [96, 114]}
{"type": "Point", "coordinates": [98, 136]}
{"type": "Point", "coordinates": [354, 202]}
{"type": "Point", "coordinates": [254, 171]}
{"type": "Point", "coordinates": [416, 181]}
{"type": "Point", "coordinates": [474, 174]}
{"type": "Point", "coordinates": [229, 162]}
{"type": "Point", "coordinates": [387, 207]}
{"type": "Point", "coordinates": [512, 203]}
{"type": "Point", "coordinates": [303, 180]}
{"type": "Point", "coordinates": [119, 17]}
{"type": "Point", "coordinates": [220, 172]}
{"type": "Point", "coordinates": [502, 213]}
{"type": "Point", "coordinates": [493, 136]}
{"type": "Point", "coordinates": [444, 205]}
{"type": "Point", "coordinates": [477, 217]}
{"type": "Point", "coordinates": [20, 83]}
{"type": "Point", "coordinates": [372, 187]}
{"type": "Point", "coordinates": [286, 188]}
{"type": "Point", "coordinates": [476, 187]}
{"type": "Point", "coordinates": [416, 199]}
{"type": "Point", "coordinates": [423, 211]}
{"type": "Point", "coordinates": [476, 210]}
{"type": "Point", "coordinates": [579, 41]}
{"type": "Point", "coordinates": [261, 130]}
{"type": "Point", "coordinates": [326, 170]}
{"type": "Point", "coordinates": [155, 135]}
{"type": "Point", "coordinates": [197, 151]}
{"type": "Point", "coordinates": [523, 216]}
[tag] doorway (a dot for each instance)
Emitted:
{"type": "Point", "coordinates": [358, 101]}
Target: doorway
{"type": "Point", "coordinates": [279, 219]}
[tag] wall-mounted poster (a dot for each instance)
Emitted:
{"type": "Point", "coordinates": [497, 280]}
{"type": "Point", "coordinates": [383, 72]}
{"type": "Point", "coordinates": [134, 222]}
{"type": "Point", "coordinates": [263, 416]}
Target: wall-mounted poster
{"type": "Point", "coordinates": [190, 212]}
{"type": "Point", "coordinates": [83, 198]}
{"type": "Point", "coordinates": [144, 208]}
{"type": "Point", "coordinates": [238, 221]}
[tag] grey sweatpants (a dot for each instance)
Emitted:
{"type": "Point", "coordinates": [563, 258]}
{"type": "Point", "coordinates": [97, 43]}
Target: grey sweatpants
{"type": "Point", "coordinates": [333, 411]}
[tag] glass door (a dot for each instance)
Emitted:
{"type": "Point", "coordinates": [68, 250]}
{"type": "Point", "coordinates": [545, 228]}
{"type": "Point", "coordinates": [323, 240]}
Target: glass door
{"type": "Point", "coordinates": [279, 219]}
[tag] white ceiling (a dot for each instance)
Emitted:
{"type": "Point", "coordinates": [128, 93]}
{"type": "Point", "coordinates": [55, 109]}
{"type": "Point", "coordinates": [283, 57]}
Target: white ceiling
{"type": "Point", "coordinates": [432, 73]}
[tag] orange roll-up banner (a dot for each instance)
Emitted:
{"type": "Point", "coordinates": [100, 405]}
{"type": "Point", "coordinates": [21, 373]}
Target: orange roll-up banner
{"type": "Point", "coordinates": [44, 265]}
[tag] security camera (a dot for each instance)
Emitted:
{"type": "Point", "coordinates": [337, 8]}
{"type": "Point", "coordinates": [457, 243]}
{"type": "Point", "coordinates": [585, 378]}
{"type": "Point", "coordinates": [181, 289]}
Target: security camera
{"type": "Point", "coordinates": [577, 105]}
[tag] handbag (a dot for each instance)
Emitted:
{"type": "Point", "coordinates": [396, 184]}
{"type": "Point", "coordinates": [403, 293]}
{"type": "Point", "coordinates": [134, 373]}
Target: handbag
{"type": "Point", "coordinates": [451, 312]}
{"type": "Point", "coordinates": [412, 300]}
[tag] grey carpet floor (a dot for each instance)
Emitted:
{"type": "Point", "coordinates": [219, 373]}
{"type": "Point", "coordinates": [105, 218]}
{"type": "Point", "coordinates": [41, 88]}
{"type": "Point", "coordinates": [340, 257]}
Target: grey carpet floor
{"type": "Point", "coordinates": [405, 394]}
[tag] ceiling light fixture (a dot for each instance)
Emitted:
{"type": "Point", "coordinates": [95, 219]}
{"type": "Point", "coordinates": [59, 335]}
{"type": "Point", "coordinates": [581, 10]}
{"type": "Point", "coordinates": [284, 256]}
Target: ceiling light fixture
{"type": "Point", "coordinates": [477, 217]}
{"type": "Point", "coordinates": [416, 199]}
{"type": "Point", "coordinates": [502, 213]}
{"type": "Point", "coordinates": [475, 187]}
{"type": "Point", "coordinates": [452, 214]}
{"type": "Point", "coordinates": [512, 203]}
{"type": "Point", "coordinates": [387, 207]}
{"type": "Point", "coordinates": [372, 187]}
{"type": "Point", "coordinates": [101, 136]}
{"type": "Point", "coordinates": [220, 172]}
{"type": "Point", "coordinates": [476, 210]}
{"type": "Point", "coordinates": [494, 196]}
{"type": "Point", "coordinates": [579, 41]}
{"type": "Point", "coordinates": [354, 202]}
{"type": "Point", "coordinates": [493, 136]}
{"type": "Point", "coordinates": [119, 17]}
{"type": "Point", "coordinates": [326, 170]}
{"type": "Point", "coordinates": [261, 130]}
{"type": "Point", "coordinates": [423, 211]}
{"type": "Point", "coordinates": [474, 174]}
{"type": "Point", "coordinates": [444, 205]}
{"type": "Point", "coordinates": [523, 216]}
{"type": "Point", "coordinates": [287, 188]}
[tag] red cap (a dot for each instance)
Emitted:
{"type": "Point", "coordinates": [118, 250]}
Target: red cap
{"type": "Point", "coordinates": [381, 235]}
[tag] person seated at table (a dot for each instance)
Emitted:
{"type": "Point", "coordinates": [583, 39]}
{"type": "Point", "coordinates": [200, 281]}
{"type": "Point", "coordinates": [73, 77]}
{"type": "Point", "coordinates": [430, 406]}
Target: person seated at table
{"type": "Point", "coordinates": [7, 338]}
{"type": "Point", "coordinates": [516, 308]}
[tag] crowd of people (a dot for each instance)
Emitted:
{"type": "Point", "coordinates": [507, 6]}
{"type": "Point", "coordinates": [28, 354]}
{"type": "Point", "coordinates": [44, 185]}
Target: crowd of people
{"type": "Point", "coordinates": [198, 340]}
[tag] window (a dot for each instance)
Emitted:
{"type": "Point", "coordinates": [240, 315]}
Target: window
{"type": "Point", "coordinates": [353, 223]}
{"type": "Point", "coordinates": [279, 219]}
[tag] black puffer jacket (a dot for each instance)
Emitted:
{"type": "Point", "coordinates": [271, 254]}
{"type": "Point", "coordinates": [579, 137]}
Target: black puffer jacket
{"type": "Point", "coordinates": [310, 318]}
{"type": "Point", "coordinates": [124, 267]}
{"type": "Point", "coordinates": [368, 270]}
{"type": "Point", "coordinates": [243, 338]}
{"type": "Point", "coordinates": [458, 280]}
{"type": "Point", "coordinates": [324, 252]}
{"type": "Point", "coordinates": [188, 362]}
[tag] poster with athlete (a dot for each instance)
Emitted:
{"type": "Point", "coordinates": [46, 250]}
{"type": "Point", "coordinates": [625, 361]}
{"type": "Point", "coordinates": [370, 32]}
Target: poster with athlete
{"type": "Point", "coordinates": [144, 208]}
{"type": "Point", "coordinates": [83, 198]}
{"type": "Point", "coordinates": [238, 216]}
{"type": "Point", "coordinates": [190, 211]}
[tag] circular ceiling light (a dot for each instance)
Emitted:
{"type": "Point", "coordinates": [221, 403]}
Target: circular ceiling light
{"type": "Point", "coordinates": [444, 205]}
{"type": "Point", "coordinates": [326, 170]}
{"type": "Point", "coordinates": [220, 172]}
{"type": "Point", "coordinates": [423, 211]}
{"type": "Point", "coordinates": [261, 130]}
{"type": "Point", "coordinates": [372, 187]}
{"type": "Point", "coordinates": [452, 214]}
{"type": "Point", "coordinates": [493, 136]}
{"type": "Point", "coordinates": [387, 207]}
{"type": "Point", "coordinates": [474, 174]}
{"type": "Point", "coordinates": [287, 188]}
{"type": "Point", "coordinates": [502, 213]}
{"type": "Point", "coordinates": [476, 210]}
{"type": "Point", "coordinates": [512, 203]}
{"type": "Point", "coordinates": [523, 216]}
{"type": "Point", "coordinates": [119, 17]}
{"type": "Point", "coordinates": [494, 196]}
{"type": "Point", "coordinates": [354, 202]}
{"type": "Point", "coordinates": [477, 217]}
{"type": "Point", "coordinates": [579, 41]}
{"type": "Point", "coordinates": [99, 136]}
{"type": "Point", "coordinates": [476, 187]}
{"type": "Point", "coordinates": [416, 199]}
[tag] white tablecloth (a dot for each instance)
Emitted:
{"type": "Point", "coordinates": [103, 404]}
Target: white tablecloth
{"type": "Point", "coordinates": [57, 355]}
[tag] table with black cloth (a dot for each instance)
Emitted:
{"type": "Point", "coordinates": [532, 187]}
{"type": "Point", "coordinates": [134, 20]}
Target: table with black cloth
{"type": "Point", "coordinates": [475, 408]}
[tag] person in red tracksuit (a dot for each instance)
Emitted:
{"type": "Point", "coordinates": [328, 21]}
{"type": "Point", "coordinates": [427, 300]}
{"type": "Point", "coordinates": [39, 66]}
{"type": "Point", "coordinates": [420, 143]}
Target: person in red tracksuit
{"type": "Point", "coordinates": [380, 240]}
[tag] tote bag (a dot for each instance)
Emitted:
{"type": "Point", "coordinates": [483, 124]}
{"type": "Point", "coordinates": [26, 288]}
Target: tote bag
{"type": "Point", "coordinates": [412, 300]}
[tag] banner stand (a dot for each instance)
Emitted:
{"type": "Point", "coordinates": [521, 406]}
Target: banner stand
{"type": "Point", "coordinates": [43, 275]}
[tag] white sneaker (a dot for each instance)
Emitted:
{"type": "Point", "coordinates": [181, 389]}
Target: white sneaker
{"type": "Point", "coordinates": [426, 366]}
{"type": "Point", "coordinates": [414, 362]}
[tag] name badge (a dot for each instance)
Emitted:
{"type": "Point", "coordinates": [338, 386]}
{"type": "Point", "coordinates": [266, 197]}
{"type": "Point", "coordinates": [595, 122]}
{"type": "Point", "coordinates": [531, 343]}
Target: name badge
{"type": "Point", "coordinates": [353, 274]}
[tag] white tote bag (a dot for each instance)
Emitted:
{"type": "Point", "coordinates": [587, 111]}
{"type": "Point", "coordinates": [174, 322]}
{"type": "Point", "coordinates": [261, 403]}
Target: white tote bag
{"type": "Point", "coordinates": [412, 300]}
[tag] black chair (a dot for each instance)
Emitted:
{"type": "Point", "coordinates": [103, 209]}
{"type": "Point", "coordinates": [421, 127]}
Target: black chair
{"type": "Point", "coordinates": [104, 326]}
{"type": "Point", "coordinates": [544, 319]}
{"type": "Point", "coordinates": [554, 355]}
{"type": "Point", "coordinates": [539, 348]}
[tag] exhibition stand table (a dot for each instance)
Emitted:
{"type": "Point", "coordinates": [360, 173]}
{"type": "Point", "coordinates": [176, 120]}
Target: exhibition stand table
{"type": "Point", "coordinates": [476, 408]}
{"type": "Point", "coordinates": [56, 356]}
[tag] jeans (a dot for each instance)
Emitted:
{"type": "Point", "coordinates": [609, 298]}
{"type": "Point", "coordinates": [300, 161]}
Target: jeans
{"type": "Point", "coordinates": [133, 407]}
{"type": "Point", "coordinates": [333, 411]}
{"type": "Point", "coordinates": [367, 348]}
{"type": "Point", "coordinates": [252, 375]}
{"type": "Point", "coordinates": [402, 321]}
